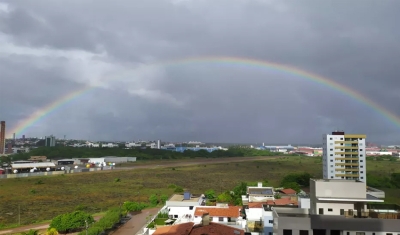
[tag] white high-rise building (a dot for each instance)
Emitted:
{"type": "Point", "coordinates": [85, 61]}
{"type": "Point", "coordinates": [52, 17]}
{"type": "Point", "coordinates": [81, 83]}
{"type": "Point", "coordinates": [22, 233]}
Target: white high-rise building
{"type": "Point", "coordinates": [344, 156]}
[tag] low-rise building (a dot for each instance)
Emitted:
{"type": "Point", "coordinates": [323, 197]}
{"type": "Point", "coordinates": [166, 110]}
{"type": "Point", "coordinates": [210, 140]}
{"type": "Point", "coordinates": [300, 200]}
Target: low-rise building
{"type": "Point", "coordinates": [183, 205]}
{"type": "Point", "coordinates": [337, 207]}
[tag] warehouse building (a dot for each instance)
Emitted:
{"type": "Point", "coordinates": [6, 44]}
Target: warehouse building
{"type": "Point", "coordinates": [112, 159]}
{"type": "Point", "coordinates": [32, 167]}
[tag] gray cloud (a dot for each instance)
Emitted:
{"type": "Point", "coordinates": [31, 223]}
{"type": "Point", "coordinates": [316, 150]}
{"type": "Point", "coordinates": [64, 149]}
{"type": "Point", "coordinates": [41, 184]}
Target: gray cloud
{"type": "Point", "coordinates": [48, 49]}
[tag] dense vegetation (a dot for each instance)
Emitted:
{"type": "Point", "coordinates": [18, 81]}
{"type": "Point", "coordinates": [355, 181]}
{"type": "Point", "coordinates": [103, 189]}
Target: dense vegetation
{"type": "Point", "coordinates": [107, 222]}
{"type": "Point", "coordinates": [60, 152]}
{"type": "Point", "coordinates": [71, 222]}
{"type": "Point", "coordinates": [98, 191]}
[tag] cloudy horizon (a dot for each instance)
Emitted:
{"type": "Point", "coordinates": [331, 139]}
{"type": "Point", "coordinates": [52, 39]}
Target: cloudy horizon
{"type": "Point", "coordinates": [126, 50]}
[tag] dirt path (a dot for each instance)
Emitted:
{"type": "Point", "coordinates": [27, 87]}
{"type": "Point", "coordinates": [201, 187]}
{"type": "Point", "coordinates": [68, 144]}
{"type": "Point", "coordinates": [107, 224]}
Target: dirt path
{"type": "Point", "coordinates": [41, 227]}
{"type": "Point", "coordinates": [136, 223]}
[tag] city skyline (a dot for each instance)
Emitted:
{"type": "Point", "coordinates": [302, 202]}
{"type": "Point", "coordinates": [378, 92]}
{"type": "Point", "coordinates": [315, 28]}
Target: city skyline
{"type": "Point", "coordinates": [216, 71]}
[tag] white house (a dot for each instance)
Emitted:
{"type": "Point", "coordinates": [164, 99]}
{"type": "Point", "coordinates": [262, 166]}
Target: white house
{"type": "Point", "coordinates": [181, 205]}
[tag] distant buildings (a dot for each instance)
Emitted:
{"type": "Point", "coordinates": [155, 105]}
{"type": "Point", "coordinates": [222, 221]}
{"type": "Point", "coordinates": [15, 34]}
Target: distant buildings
{"type": "Point", "coordinates": [2, 137]}
{"type": "Point", "coordinates": [50, 141]}
{"type": "Point", "coordinates": [344, 156]}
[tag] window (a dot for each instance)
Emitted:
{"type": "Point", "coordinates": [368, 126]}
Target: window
{"type": "Point", "coordinates": [360, 138]}
{"type": "Point", "coordinates": [270, 221]}
{"type": "Point", "coordinates": [331, 177]}
{"type": "Point", "coordinates": [360, 150]}
{"type": "Point", "coordinates": [361, 167]}
{"type": "Point", "coordinates": [361, 171]}
{"type": "Point", "coordinates": [331, 149]}
{"type": "Point", "coordinates": [331, 160]}
{"type": "Point", "coordinates": [287, 232]}
{"type": "Point", "coordinates": [303, 232]}
{"type": "Point", "coordinates": [270, 233]}
{"type": "Point", "coordinates": [330, 209]}
{"type": "Point", "coordinates": [361, 161]}
{"type": "Point", "coordinates": [360, 233]}
{"type": "Point", "coordinates": [341, 211]}
{"type": "Point", "coordinates": [330, 138]}
{"type": "Point", "coordinates": [220, 219]}
{"type": "Point", "coordinates": [175, 216]}
{"type": "Point", "coordinates": [361, 155]}
{"type": "Point", "coordinates": [331, 144]}
{"type": "Point", "coordinates": [348, 233]}
{"type": "Point", "coordinates": [321, 211]}
{"type": "Point", "coordinates": [341, 138]}
{"type": "Point", "coordinates": [331, 155]}
{"type": "Point", "coordinates": [331, 165]}
{"type": "Point", "coordinates": [389, 233]}
{"type": "Point", "coordinates": [211, 218]}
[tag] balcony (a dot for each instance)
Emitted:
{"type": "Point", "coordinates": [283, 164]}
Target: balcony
{"type": "Point", "coordinates": [347, 153]}
{"type": "Point", "coordinates": [346, 169]}
{"type": "Point", "coordinates": [346, 164]}
{"type": "Point", "coordinates": [373, 214]}
{"type": "Point", "coordinates": [347, 175]}
{"type": "Point", "coordinates": [347, 158]}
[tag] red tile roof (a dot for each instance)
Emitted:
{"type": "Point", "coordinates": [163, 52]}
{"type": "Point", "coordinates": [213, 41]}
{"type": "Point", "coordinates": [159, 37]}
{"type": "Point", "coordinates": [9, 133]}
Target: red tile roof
{"type": "Point", "coordinates": [189, 229]}
{"type": "Point", "coordinates": [231, 211]}
{"type": "Point", "coordinates": [215, 229]}
{"type": "Point", "coordinates": [179, 229]}
{"type": "Point", "coordinates": [256, 204]}
{"type": "Point", "coordinates": [288, 191]}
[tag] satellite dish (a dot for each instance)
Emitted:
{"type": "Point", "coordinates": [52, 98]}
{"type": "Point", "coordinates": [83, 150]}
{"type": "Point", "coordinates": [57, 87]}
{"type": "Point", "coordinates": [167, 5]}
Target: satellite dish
{"type": "Point", "coordinates": [35, 168]}
{"type": "Point", "coordinates": [15, 171]}
{"type": "Point", "coordinates": [62, 168]}
{"type": "Point", "coordinates": [32, 170]}
{"type": "Point", "coordinates": [47, 169]}
{"type": "Point", "coordinates": [76, 167]}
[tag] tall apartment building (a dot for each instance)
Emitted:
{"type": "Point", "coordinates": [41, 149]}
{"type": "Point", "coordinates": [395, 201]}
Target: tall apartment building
{"type": "Point", "coordinates": [344, 156]}
{"type": "Point", "coordinates": [2, 137]}
{"type": "Point", "coordinates": [50, 141]}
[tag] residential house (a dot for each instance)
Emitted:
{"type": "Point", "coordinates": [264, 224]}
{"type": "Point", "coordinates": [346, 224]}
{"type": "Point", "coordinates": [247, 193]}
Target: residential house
{"type": "Point", "coordinates": [258, 194]}
{"type": "Point", "coordinates": [222, 213]}
{"type": "Point", "coordinates": [183, 205]}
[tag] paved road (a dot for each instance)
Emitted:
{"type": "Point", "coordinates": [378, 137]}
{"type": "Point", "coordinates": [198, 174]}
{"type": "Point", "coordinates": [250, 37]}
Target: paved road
{"type": "Point", "coordinates": [197, 162]}
{"type": "Point", "coordinates": [136, 223]}
{"type": "Point", "coordinates": [40, 227]}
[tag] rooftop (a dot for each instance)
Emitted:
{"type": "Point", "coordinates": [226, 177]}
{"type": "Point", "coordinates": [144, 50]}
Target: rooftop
{"type": "Point", "coordinates": [231, 211]}
{"type": "Point", "coordinates": [191, 229]}
{"type": "Point", "coordinates": [261, 190]}
{"type": "Point", "coordinates": [288, 191]}
{"type": "Point", "coordinates": [32, 165]}
{"type": "Point", "coordinates": [180, 198]}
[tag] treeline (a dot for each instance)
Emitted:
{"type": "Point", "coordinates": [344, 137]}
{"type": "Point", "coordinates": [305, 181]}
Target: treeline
{"type": "Point", "coordinates": [59, 152]}
{"type": "Point", "coordinates": [384, 181]}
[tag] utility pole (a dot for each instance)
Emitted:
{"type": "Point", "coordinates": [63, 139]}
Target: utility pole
{"type": "Point", "coordinates": [87, 226]}
{"type": "Point", "coordinates": [19, 214]}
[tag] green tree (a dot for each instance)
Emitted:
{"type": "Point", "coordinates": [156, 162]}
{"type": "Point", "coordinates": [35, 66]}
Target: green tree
{"type": "Point", "coordinates": [153, 200]}
{"type": "Point", "coordinates": [51, 231]}
{"type": "Point", "coordinates": [225, 197]}
{"type": "Point", "coordinates": [210, 194]}
{"type": "Point", "coordinates": [71, 221]}
{"type": "Point", "coordinates": [163, 198]}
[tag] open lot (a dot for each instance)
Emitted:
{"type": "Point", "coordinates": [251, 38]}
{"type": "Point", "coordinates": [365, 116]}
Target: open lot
{"type": "Point", "coordinates": [41, 198]}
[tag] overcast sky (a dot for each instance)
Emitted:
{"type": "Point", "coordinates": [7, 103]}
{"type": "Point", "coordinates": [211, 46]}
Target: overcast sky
{"type": "Point", "coordinates": [50, 48]}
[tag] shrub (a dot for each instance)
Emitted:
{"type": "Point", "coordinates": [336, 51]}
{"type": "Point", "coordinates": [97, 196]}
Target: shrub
{"type": "Point", "coordinates": [178, 189]}
{"type": "Point", "coordinates": [71, 221]}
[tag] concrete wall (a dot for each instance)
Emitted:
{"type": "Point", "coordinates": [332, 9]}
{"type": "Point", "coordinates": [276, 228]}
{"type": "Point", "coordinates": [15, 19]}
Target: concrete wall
{"type": "Point", "coordinates": [335, 207]}
{"type": "Point", "coordinates": [21, 175]}
{"type": "Point", "coordinates": [304, 203]}
{"type": "Point", "coordinates": [177, 212]}
{"type": "Point", "coordinates": [339, 189]}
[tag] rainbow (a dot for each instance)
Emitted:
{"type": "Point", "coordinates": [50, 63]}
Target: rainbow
{"type": "Point", "coordinates": [220, 60]}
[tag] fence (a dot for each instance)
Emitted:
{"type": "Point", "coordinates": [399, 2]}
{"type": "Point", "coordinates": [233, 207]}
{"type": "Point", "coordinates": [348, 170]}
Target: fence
{"type": "Point", "coordinates": [66, 171]}
{"type": "Point", "coordinates": [144, 230]}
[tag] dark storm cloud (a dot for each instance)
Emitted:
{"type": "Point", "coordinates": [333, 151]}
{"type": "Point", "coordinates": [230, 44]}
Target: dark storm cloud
{"type": "Point", "coordinates": [48, 49]}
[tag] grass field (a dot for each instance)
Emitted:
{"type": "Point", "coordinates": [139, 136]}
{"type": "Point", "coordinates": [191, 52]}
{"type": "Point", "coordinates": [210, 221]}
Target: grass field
{"type": "Point", "coordinates": [41, 198]}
